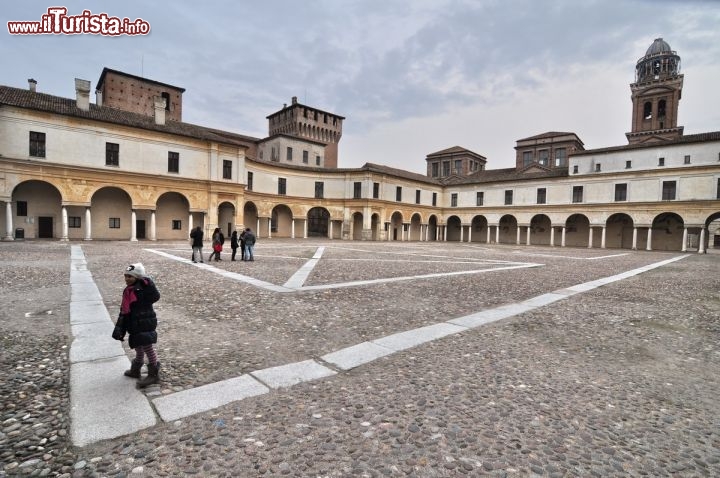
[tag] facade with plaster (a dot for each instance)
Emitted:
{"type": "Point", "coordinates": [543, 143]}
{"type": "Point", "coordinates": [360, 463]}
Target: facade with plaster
{"type": "Point", "coordinates": [128, 168]}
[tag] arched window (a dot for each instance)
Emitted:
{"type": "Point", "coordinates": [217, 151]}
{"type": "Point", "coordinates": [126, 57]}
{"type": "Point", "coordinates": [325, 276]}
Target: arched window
{"type": "Point", "coordinates": [647, 110]}
{"type": "Point", "coordinates": [661, 109]}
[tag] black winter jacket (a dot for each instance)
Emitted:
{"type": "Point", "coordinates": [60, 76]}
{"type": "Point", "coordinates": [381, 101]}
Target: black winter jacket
{"type": "Point", "coordinates": [141, 322]}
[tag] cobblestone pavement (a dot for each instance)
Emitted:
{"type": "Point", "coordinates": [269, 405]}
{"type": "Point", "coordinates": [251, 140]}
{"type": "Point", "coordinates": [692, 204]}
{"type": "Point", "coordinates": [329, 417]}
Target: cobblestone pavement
{"type": "Point", "coordinates": [621, 380]}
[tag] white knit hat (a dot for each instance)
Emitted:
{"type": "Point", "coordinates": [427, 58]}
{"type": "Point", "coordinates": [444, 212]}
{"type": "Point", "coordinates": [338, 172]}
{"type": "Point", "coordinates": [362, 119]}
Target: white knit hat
{"type": "Point", "coordinates": [135, 270]}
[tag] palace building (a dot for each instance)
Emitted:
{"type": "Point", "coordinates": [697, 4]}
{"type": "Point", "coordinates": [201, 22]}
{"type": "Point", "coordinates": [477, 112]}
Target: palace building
{"type": "Point", "coordinates": [128, 168]}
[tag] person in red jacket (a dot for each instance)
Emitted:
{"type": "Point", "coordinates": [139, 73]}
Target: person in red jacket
{"type": "Point", "coordinates": [138, 319]}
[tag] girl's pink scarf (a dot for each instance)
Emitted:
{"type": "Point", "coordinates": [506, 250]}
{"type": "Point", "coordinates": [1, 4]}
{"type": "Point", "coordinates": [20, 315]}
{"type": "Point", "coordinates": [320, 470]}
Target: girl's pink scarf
{"type": "Point", "coordinates": [128, 298]}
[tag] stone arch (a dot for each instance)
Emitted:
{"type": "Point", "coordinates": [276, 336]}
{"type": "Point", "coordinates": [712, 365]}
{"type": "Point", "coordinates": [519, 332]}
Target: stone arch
{"type": "Point", "coordinates": [250, 215]}
{"type": "Point", "coordinates": [111, 209]}
{"type": "Point", "coordinates": [172, 210]}
{"type": "Point", "coordinates": [577, 230]}
{"type": "Point", "coordinates": [712, 223]}
{"type": "Point", "coordinates": [540, 226]}
{"type": "Point", "coordinates": [667, 233]}
{"type": "Point", "coordinates": [357, 226]}
{"type": "Point", "coordinates": [396, 226]}
{"type": "Point", "coordinates": [508, 229]}
{"type": "Point", "coordinates": [454, 228]}
{"type": "Point", "coordinates": [281, 221]}
{"type": "Point", "coordinates": [619, 231]}
{"type": "Point", "coordinates": [318, 222]}
{"type": "Point", "coordinates": [43, 210]}
{"type": "Point", "coordinates": [432, 228]}
{"type": "Point", "coordinates": [226, 217]}
{"type": "Point", "coordinates": [479, 227]}
{"type": "Point", "coordinates": [415, 233]}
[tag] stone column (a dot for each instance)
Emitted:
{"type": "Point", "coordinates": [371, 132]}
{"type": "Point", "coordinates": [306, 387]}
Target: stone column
{"type": "Point", "coordinates": [153, 227]}
{"type": "Point", "coordinates": [590, 238]}
{"type": "Point", "coordinates": [701, 246]}
{"type": "Point", "coordinates": [497, 234]}
{"type": "Point", "coordinates": [305, 228]}
{"type": "Point", "coordinates": [269, 227]}
{"type": "Point", "coordinates": [133, 226]}
{"type": "Point", "coordinates": [257, 228]}
{"type": "Point", "coordinates": [562, 239]}
{"type": "Point", "coordinates": [330, 229]}
{"type": "Point", "coordinates": [527, 236]}
{"type": "Point", "coordinates": [487, 240]}
{"type": "Point", "coordinates": [190, 222]}
{"type": "Point", "coordinates": [462, 233]}
{"type": "Point", "coordinates": [649, 239]}
{"type": "Point", "coordinates": [470, 233]}
{"type": "Point", "coordinates": [63, 213]}
{"type": "Point", "coordinates": [88, 224]}
{"type": "Point", "coordinates": [292, 229]}
{"type": "Point", "coordinates": [8, 222]}
{"type": "Point", "coordinates": [684, 243]}
{"type": "Point", "coordinates": [552, 236]}
{"type": "Point", "coordinates": [517, 234]}
{"type": "Point", "coordinates": [634, 246]}
{"type": "Point", "coordinates": [602, 240]}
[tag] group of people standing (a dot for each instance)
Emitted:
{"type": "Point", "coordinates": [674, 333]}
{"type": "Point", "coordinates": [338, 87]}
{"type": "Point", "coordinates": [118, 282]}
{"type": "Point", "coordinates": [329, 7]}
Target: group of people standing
{"type": "Point", "coordinates": [245, 241]}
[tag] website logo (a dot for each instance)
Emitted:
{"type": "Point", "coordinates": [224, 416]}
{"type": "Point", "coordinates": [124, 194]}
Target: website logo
{"type": "Point", "coordinates": [57, 22]}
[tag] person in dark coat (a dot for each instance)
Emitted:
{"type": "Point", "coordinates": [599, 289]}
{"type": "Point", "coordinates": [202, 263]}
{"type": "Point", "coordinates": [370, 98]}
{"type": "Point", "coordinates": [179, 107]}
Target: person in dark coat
{"type": "Point", "coordinates": [249, 244]}
{"type": "Point", "coordinates": [217, 242]}
{"type": "Point", "coordinates": [197, 243]}
{"type": "Point", "coordinates": [242, 245]}
{"type": "Point", "coordinates": [137, 318]}
{"type": "Point", "coordinates": [234, 244]}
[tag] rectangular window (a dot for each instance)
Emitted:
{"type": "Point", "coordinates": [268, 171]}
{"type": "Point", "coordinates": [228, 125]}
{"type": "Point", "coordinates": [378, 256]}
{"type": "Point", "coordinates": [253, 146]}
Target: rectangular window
{"type": "Point", "coordinates": [250, 181]}
{"type": "Point", "coordinates": [575, 169]}
{"type": "Point", "coordinates": [544, 157]}
{"type": "Point", "coordinates": [317, 160]}
{"type": "Point", "coordinates": [560, 157]}
{"type": "Point", "coordinates": [434, 199]}
{"type": "Point", "coordinates": [527, 158]}
{"type": "Point", "coordinates": [227, 169]}
{"type": "Point", "coordinates": [112, 154]}
{"type": "Point", "coordinates": [453, 200]}
{"type": "Point", "coordinates": [114, 223]}
{"type": "Point", "coordinates": [37, 144]}
{"type": "Point", "coordinates": [479, 198]}
{"type": "Point", "coordinates": [598, 167]}
{"type": "Point", "coordinates": [628, 164]}
{"type": "Point", "coordinates": [458, 167]}
{"type": "Point", "coordinates": [306, 157]}
{"type": "Point", "coordinates": [661, 161]}
{"type": "Point", "coordinates": [508, 197]}
{"type": "Point", "coordinates": [357, 190]}
{"type": "Point", "coordinates": [282, 186]}
{"type": "Point", "coordinates": [176, 224]}
{"type": "Point", "coordinates": [621, 192]}
{"type": "Point", "coordinates": [541, 195]}
{"type": "Point", "coordinates": [289, 153]}
{"type": "Point", "coordinates": [319, 189]}
{"type": "Point", "coordinates": [74, 222]}
{"type": "Point", "coordinates": [417, 196]}
{"type": "Point", "coordinates": [446, 168]}
{"type": "Point", "coordinates": [274, 154]}
{"type": "Point", "coordinates": [376, 190]}
{"type": "Point", "coordinates": [577, 194]}
{"type": "Point", "coordinates": [668, 190]}
{"type": "Point", "coordinates": [435, 169]}
{"type": "Point", "coordinates": [687, 159]}
{"type": "Point", "coordinates": [22, 208]}
{"type": "Point", "coordinates": [173, 162]}
{"type": "Point", "coordinates": [718, 190]}
{"type": "Point", "coordinates": [398, 193]}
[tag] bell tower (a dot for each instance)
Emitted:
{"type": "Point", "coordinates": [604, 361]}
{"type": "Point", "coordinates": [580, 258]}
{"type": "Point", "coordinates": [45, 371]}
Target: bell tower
{"type": "Point", "coordinates": [656, 95]}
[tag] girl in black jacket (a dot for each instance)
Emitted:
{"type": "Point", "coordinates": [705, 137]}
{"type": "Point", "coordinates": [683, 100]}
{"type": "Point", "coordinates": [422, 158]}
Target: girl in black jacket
{"type": "Point", "coordinates": [137, 318]}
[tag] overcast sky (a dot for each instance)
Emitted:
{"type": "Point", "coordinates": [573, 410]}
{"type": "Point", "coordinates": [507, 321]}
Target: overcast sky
{"type": "Point", "coordinates": [411, 77]}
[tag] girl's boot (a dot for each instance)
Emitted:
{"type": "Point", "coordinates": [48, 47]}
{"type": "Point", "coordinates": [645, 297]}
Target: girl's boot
{"type": "Point", "coordinates": [134, 371]}
{"type": "Point", "coordinates": [153, 376]}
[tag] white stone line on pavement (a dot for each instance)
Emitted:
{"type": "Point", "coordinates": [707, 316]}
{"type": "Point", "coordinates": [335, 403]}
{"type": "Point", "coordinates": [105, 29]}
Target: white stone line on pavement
{"type": "Point", "coordinates": [555, 256]}
{"type": "Point", "coordinates": [292, 374]}
{"type": "Point", "coordinates": [229, 274]}
{"type": "Point", "coordinates": [406, 278]}
{"type": "Point", "coordinates": [299, 278]}
{"type": "Point", "coordinates": [103, 403]}
{"type": "Point", "coordinates": [207, 397]}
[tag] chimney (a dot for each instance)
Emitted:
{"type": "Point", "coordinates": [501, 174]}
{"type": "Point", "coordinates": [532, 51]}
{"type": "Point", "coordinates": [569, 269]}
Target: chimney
{"type": "Point", "coordinates": [82, 92]}
{"type": "Point", "coordinates": [32, 84]}
{"type": "Point", "coordinates": [294, 100]}
{"type": "Point", "coordinates": [98, 97]}
{"type": "Point", "coordinates": [159, 102]}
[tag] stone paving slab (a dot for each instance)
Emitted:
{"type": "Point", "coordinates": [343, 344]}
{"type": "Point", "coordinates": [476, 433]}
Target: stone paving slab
{"type": "Point", "coordinates": [356, 355]}
{"type": "Point", "coordinates": [87, 312]}
{"type": "Point", "coordinates": [415, 337]}
{"type": "Point", "coordinates": [83, 291]}
{"type": "Point", "coordinates": [105, 404]}
{"type": "Point", "coordinates": [93, 341]}
{"type": "Point", "coordinates": [207, 397]}
{"type": "Point", "coordinates": [292, 374]}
